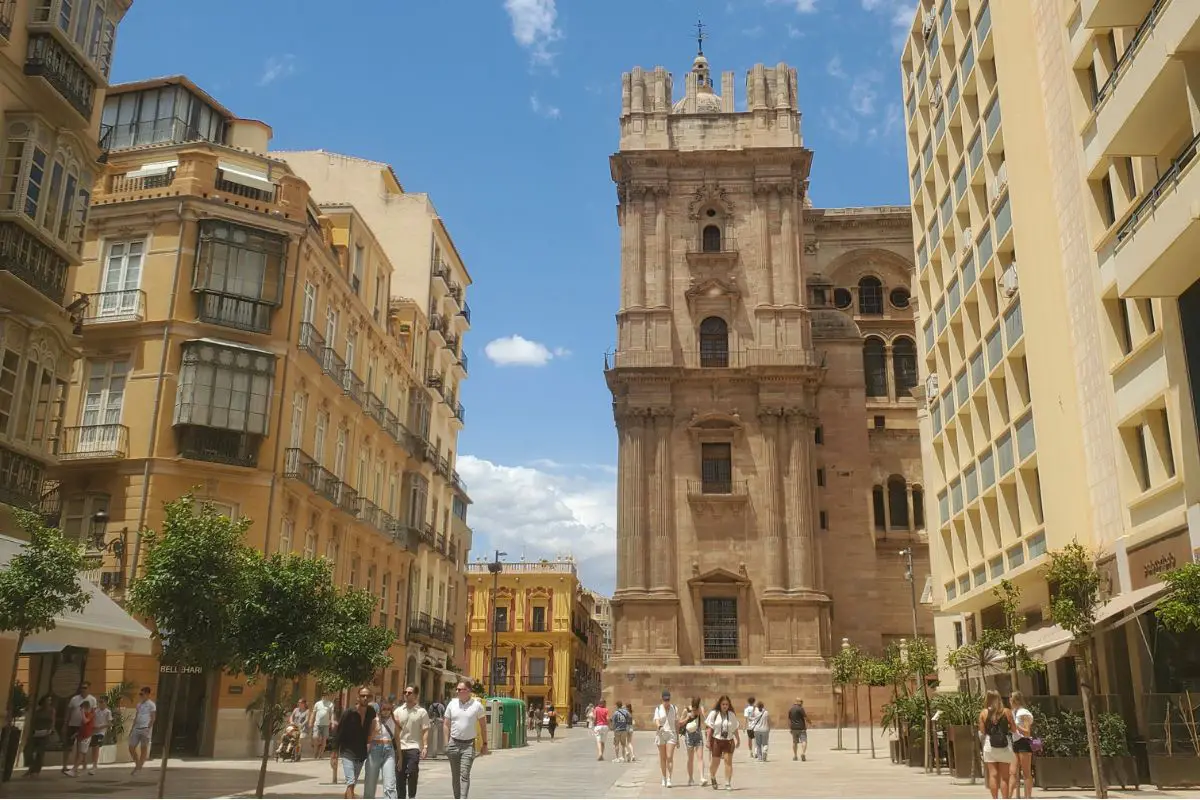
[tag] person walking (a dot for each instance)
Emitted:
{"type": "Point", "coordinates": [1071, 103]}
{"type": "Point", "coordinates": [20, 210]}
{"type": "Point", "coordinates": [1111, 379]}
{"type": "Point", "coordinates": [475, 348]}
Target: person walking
{"type": "Point", "coordinates": [39, 736]}
{"type": "Point", "coordinates": [723, 739]}
{"type": "Point", "coordinates": [144, 717]}
{"type": "Point", "coordinates": [693, 740]}
{"type": "Point", "coordinates": [319, 721]}
{"type": "Point", "coordinates": [381, 753]}
{"type": "Point", "coordinates": [798, 723]}
{"type": "Point", "coordinates": [632, 756]}
{"type": "Point", "coordinates": [666, 736]}
{"type": "Point", "coordinates": [995, 724]}
{"type": "Point", "coordinates": [83, 740]}
{"type": "Point", "coordinates": [464, 715]}
{"type": "Point", "coordinates": [762, 731]}
{"type": "Point", "coordinates": [354, 733]}
{"type": "Point", "coordinates": [299, 719]}
{"type": "Point", "coordinates": [551, 721]}
{"type": "Point", "coordinates": [748, 715]}
{"type": "Point", "coordinates": [621, 720]}
{"type": "Point", "coordinates": [1022, 746]}
{"type": "Point", "coordinates": [75, 719]}
{"type": "Point", "coordinates": [600, 727]}
{"type": "Point", "coordinates": [101, 720]}
{"type": "Point", "coordinates": [412, 739]}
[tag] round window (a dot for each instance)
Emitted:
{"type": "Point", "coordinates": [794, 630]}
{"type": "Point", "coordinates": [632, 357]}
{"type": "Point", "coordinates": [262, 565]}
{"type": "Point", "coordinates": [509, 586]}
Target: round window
{"type": "Point", "coordinates": [842, 298]}
{"type": "Point", "coordinates": [711, 212]}
{"type": "Point", "coordinates": [900, 297]}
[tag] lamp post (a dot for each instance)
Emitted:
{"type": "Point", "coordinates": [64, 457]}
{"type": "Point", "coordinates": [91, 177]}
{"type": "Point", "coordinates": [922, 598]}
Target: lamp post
{"type": "Point", "coordinates": [495, 568]}
{"type": "Point", "coordinates": [118, 546]}
{"type": "Point", "coordinates": [912, 585]}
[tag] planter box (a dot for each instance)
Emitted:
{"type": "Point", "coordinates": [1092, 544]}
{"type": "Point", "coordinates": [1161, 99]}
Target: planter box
{"type": "Point", "coordinates": [1076, 772]}
{"type": "Point", "coordinates": [963, 744]}
{"type": "Point", "coordinates": [1175, 772]}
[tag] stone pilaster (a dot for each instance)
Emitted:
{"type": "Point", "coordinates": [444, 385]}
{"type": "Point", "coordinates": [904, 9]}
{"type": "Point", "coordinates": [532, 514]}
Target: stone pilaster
{"type": "Point", "coordinates": [662, 294]}
{"type": "Point", "coordinates": [776, 579]}
{"type": "Point", "coordinates": [787, 244]}
{"type": "Point", "coordinates": [635, 247]}
{"type": "Point", "coordinates": [762, 212]}
{"type": "Point", "coordinates": [631, 504]}
{"type": "Point", "coordinates": [662, 555]}
{"type": "Point", "coordinates": [801, 516]}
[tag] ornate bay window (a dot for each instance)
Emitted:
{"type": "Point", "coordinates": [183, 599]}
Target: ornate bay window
{"type": "Point", "coordinates": [86, 24]}
{"type": "Point", "coordinates": [222, 405]}
{"type": "Point", "coordinates": [238, 279]}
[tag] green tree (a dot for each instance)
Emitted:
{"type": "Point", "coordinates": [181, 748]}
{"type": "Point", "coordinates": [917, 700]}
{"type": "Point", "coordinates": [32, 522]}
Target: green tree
{"type": "Point", "coordinates": [872, 672]}
{"type": "Point", "coordinates": [981, 654]}
{"type": "Point", "coordinates": [1074, 598]}
{"type": "Point", "coordinates": [195, 580]}
{"type": "Point", "coordinates": [355, 650]}
{"type": "Point", "coordinates": [39, 584]}
{"type": "Point", "coordinates": [1015, 654]}
{"type": "Point", "coordinates": [1179, 610]}
{"type": "Point", "coordinates": [847, 671]}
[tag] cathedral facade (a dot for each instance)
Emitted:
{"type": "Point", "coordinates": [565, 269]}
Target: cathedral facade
{"type": "Point", "coordinates": [769, 459]}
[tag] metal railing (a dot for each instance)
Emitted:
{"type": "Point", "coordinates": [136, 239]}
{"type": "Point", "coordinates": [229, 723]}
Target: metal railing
{"type": "Point", "coordinates": [428, 535]}
{"type": "Point", "coordinates": [465, 312]}
{"type": "Point", "coordinates": [218, 446]}
{"type": "Point", "coordinates": [168, 130]}
{"type": "Point", "coordinates": [119, 184]}
{"type": "Point", "coordinates": [8, 10]}
{"type": "Point", "coordinates": [718, 486]}
{"type": "Point", "coordinates": [713, 358]}
{"type": "Point", "coordinates": [124, 306]}
{"type": "Point", "coordinates": [726, 245]}
{"type": "Point", "coordinates": [421, 624]}
{"type": "Point", "coordinates": [462, 362]}
{"type": "Point", "coordinates": [1131, 51]}
{"type": "Point", "coordinates": [20, 480]}
{"type": "Point", "coordinates": [458, 482]}
{"type": "Point", "coordinates": [93, 441]}
{"type": "Point", "coordinates": [27, 258]}
{"type": "Point", "coordinates": [248, 192]}
{"type": "Point", "coordinates": [437, 324]}
{"type": "Point", "coordinates": [1167, 182]}
{"type": "Point", "coordinates": [234, 311]}
{"type": "Point", "coordinates": [451, 343]}
{"type": "Point", "coordinates": [48, 59]}
{"type": "Point", "coordinates": [434, 381]}
{"type": "Point", "coordinates": [440, 270]}
{"type": "Point", "coordinates": [460, 412]}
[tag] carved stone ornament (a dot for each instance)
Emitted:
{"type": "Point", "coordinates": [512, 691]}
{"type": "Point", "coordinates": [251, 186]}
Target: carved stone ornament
{"type": "Point", "coordinates": [707, 196]}
{"type": "Point", "coordinates": [704, 292]}
{"type": "Point", "coordinates": [811, 246]}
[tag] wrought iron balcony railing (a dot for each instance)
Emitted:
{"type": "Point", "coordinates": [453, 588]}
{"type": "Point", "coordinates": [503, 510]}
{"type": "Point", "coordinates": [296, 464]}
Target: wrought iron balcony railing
{"type": "Point", "coordinates": [440, 271]}
{"type": "Point", "coordinates": [168, 130]}
{"type": "Point", "coordinates": [428, 535]}
{"type": "Point", "coordinates": [437, 324]}
{"type": "Point", "coordinates": [20, 480]}
{"type": "Point", "coordinates": [465, 313]}
{"type": "Point", "coordinates": [451, 343]}
{"type": "Point", "coordinates": [421, 624]}
{"type": "Point", "coordinates": [8, 10]}
{"type": "Point", "coordinates": [462, 361]}
{"type": "Point", "coordinates": [48, 59]}
{"type": "Point", "coordinates": [93, 442]}
{"type": "Point", "coordinates": [217, 445]}
{"type": "Point", "coordinates": [120, 184]}
{"type": "Point", "coordinates": [460, 412]}
{"type": "Point", "coordinates": [125, 306]}
{"type": "Point", "coordinates": [234, 311]}
{"type": "Point", "coordinates": [458, 482]}
{"type": "Point", "coordinates": [354, 387]}
{"type": "Point", "coordinates": [718, 487]}
{"type": "Point", "coordinates": [24, 255]}
{"type": "Point", "coordinates": [434, 381]}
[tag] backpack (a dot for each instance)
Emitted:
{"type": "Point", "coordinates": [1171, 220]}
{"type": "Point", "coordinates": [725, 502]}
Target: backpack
{"type": "Point", "coordinates": [620, 720]}
{"type": "Point", "coordinates": [997, 732]}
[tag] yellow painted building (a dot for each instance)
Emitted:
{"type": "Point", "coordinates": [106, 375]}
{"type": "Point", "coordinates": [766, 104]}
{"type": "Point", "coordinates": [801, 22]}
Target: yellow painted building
{"type": "Point", "coordinates": [549, 644]}
{"type": "Point", "coordinates": [243, 342]}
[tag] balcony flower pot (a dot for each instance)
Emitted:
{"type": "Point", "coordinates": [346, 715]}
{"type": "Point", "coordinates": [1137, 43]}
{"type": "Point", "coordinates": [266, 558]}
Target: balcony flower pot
{"type": "Point", "coordinates": [1175, 772]}
{"type": "Point", "coordinates": [1067, 772]}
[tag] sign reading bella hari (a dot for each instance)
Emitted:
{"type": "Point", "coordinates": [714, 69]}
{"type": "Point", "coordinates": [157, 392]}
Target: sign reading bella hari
{"type": "Point", "coordinates": [1148, 563]}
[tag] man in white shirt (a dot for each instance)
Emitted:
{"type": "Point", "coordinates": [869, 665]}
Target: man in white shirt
{"type": "Point", "coordinates": [101, 721]}
{"type": "Point", "coordinates": [412, 741]}
{"type": "Point", "coordinates": [143, 725]}
{"type": "Point", "coordinates": [321, 716]}
{"type": "Point", "coordinates": [75, 716]}
{"type": "Point", "coordinates": [464, 715]}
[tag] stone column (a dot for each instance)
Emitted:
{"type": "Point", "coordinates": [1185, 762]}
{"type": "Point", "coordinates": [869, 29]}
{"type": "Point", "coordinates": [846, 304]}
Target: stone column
{"type": "Point", "coordinates": [625, 199]}
{"type": "Point", "coordinates": [631, 557]}
{"type": "Point", "coordinates": [891, 374]}
{"type": "Point", "coordinates": [801, 514]}
{"type": "Point", "coordinates": [762, 209]}
{"type": "Point", "coordinates": [772, 530]}
{"type": "Point", "coordinates": [662, 507]}
{"type": "Point", "coordinates": [637, 246]}
{"type": "Point", "coordinates": [787, 243]}
{"type": "Point", "coordinates": [908, 494]}
{"type": "Point", "coordinates": [663, 289]}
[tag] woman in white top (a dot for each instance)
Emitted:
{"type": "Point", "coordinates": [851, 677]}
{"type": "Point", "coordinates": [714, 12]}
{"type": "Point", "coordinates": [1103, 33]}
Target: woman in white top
{"type": "Point", "coordinates": [693, 740]}
{"type": "Point", "coordinates": [762, 731]}
{"type": "Point", "coordinates": [666, 736]}
{"type": "Point", "coordinates": [723, 739]}
{"type": "Point", "coordinates": [1022, 745]}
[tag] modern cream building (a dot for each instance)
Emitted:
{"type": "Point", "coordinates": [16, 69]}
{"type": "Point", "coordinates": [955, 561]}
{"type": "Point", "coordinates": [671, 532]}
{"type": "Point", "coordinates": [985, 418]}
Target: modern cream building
{"type": "Point", "coordinates": [55, 59]}
{"type": "Point", "coordinates": [242, 342]}
{"type": "Point", "coordinates": [1049, 146]}
{"type": "Point", "coordinates": [769, 468]}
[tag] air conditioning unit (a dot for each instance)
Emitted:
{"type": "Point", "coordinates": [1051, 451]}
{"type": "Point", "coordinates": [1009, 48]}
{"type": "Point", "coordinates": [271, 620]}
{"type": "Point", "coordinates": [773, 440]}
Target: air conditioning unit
{"type": "Point", "coordinates": [931, 386]}
{"type": "Point", "coordinates": [1001, 180]}
{"type": "Point", "coordinates": [1008, 281]}
{"type": "Point", "coordinates": [968, 239]}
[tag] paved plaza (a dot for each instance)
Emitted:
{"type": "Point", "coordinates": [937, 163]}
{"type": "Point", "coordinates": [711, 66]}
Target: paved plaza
{"type": "Point", "coordinates": [564, 768]}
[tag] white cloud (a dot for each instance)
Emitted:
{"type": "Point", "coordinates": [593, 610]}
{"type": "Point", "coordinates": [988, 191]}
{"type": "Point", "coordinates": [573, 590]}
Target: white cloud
{"type": "Point", "coordinates": [542, 109]}
{"type": "Point", "coordinates": [864, 90]}
{"type": "Point", "coordinates": [516, 350]}
{"type": "Point", "coordinates": [277, 67]}
{"type": "Point", "coordinates": [801, 6]}
{"type": "Point", "coordinates": [793, 32]}
{"type": "Point", "coordinates": [546, 511]}
{"type": "Point", "coordinates": [834, 67]}
{"type": "Point", "coordinates": [534, 26]}
{"type": "Point", "coordinates": [899, 13]}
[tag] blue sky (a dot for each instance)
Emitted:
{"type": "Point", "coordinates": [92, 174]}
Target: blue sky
{"type": "Point", "coordinates": [505, 111]}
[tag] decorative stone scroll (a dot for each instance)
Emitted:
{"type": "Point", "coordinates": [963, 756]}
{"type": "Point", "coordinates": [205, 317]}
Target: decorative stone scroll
{"type": "Point", "coordinates": [709, 195]}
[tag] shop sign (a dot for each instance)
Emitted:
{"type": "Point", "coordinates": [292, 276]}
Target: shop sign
{"type": "Point", "coordinates": [1147, 564]}
{"type": "Point", "coordinates": [170, 669]}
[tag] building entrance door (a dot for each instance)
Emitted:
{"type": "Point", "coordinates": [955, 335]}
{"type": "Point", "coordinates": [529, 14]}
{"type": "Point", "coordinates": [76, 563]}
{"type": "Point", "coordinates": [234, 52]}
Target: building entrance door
{"type": "Point", "coordinates": [187, 689]}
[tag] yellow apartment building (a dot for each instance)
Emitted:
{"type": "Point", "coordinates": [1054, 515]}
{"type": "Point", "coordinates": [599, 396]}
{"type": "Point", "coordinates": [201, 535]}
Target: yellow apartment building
{"type": "Point", "coordinates": [428, 290]}
{"type": "Point", "coordinates": [55, 58]}
{"type": "Point", "coordinates": [1046, 161]}
{"type": "Point", "coordinates": [549, 647]}
{"type": "Point", "coordinates": [241, 342]}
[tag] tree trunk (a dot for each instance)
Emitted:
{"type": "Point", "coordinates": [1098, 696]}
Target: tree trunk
{"type": "Point", "coordinates": [870, 720]}
{"type": "Point", "coordinates": [857, 723]}
{"type": "Point", "coordinates": [10, 728]}
{"type": "Point", "coordinates": [1089, 718]}
{"type": "Point", "coordinates": [170, 731]}
{"type": "Point", "coordinates": [841, 708]}
{"type": "Point", "coordinates": [268, 729]}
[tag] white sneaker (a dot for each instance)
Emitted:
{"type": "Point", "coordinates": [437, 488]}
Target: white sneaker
{"type": "Point", "coordinates": [668, 783]}
{"type": "Point", "coordinates": [728, 788]}
{"type": "Point", "coordinates": [91, 772]}
{"type": "Point", "coordinates": [691, 782]}
{"type": "Point", "coordinates": [704, 782]}
{"type": "Point", "coordinates": [664, 783]}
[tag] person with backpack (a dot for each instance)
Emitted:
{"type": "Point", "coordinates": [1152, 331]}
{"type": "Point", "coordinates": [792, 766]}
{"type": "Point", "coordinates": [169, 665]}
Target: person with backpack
{"type": "Point", "coordinates": [996, 723]}
{"type": "Point", "coordinates": [621, 720]}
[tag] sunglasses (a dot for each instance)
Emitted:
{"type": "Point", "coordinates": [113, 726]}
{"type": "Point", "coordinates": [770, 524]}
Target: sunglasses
{"type": "Point", "coordinates": [463, 689]}
{"type": "Point", "coordinates": [409, 691]}
{"type": "Point", "coordinates": [364, 697]}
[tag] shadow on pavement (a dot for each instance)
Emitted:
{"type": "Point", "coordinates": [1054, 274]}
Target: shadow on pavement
{"type": "Point", "coordinates": [183, 781]}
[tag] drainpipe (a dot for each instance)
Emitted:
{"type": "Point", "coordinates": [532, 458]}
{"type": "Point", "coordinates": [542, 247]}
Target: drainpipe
{"type": "Point", "coordinates": [162, 369]}
{"type": "Point", "coordinates": [283, 395]}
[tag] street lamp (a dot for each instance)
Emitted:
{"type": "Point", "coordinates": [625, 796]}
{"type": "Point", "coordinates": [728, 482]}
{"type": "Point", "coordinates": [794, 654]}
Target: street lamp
{"type": "Point", "coordinates": [118, 546]}
{"type": "Point", "coordinates": [912, 585]}
{"type": "Point", "coordinates": [495, 568]}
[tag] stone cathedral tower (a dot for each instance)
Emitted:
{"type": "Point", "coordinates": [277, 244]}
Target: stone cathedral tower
{"type": "Point", "coordinates": [717, 384]}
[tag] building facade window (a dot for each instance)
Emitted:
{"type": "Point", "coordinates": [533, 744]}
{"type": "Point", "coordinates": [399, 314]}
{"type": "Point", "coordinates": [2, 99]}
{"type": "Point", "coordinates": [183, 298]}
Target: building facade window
{"type": "Point", "coordinates": [904, 366]}
{"type": "Point", "coordinates": [870, 295]}
{"type": "Point", "coordinates": [287, 532]}
{"type": "Point", "coordinates": [501, 618]}
{"type": "Point", "coordinates": [875, 368]}
{"type": "Point", "coordinates": [119, 295]}
{"type": "Point", "coordinates": [918, 496]}
{"type": "Point", "coordinates": [878, 509]}
{"type": "Point", "coordinates": [46, 180]}
{"type": "Point", "coordinates": [720, 626]}
{"type": "Point", "coordinates": [222, 404]}
{"type": "Point", "coordinates": [239, 274]}
{"type": "Point", "coordinates": [164, 115]}
{"type": "Point", "coordinates": [711, 239]}
{"type": "Point", "coordinates": [716, 468]}
{"type": "Point", "coordinates": [714, 342]}
{"type": "Point", "coordinates": [539, 620]}
{"type": "Point", "coordinates": [103, 399]}
{"type": "Point", "coordinates": [898, 502]}
{"type": "Point", "coordinates": [77, 514]}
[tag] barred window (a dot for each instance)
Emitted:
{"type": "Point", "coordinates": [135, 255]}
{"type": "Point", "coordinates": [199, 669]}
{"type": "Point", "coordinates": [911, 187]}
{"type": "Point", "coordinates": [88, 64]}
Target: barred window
{"type": "Point", "coordinates": [720, 629]}
{"type": "Point", "coordinates": [225, 386]}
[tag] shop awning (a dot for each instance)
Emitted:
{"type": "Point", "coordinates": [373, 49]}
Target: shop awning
{"type": "Point", "coordinates": [153, 170]}
{"type": "Point", "coordinates": [246, 176]}
{"type": "Point", "coordinates": [1129, 605]}
{"type": "Point", "coordinates": [1049, 642]}
{"type": "Point", "coordinates": [102, 624]}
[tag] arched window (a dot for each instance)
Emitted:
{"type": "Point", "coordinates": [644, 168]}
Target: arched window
{"type": "Point", "coordinates": [904, 365]}
{"type": "Point", "coordinates": [710, 239]}
{"type": "Point", "coordinates": [842, 298]}
{"type": "Point", "coordinates": [714, 343]}
{"type": "Point", "coordinates": [877, 508]}
{"type": "Point", "coordinates": [918, 495]}
{"type": "Point", "coordinates": [898, 502]}
{"type": "Point", "coordinates": [870, 296]}
{"type": "Point", "coordinates": [875, 368]}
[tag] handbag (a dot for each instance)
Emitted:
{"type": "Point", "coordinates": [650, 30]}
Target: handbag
{"type": "Point", "coordinates": [692, 726]}
{"type": "Point", "coordinates": [1035, 745]}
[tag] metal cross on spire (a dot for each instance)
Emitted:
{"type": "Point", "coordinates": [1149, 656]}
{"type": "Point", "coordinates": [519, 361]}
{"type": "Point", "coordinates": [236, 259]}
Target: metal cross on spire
{"type": "Point", "coordinates": [700, 36]}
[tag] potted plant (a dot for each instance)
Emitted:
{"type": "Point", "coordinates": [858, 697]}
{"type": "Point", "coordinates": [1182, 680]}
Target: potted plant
{"type": "Point", "coordinates": [958, 712]}
{"type": "Point", "coordinates": [111, 751]}
{"type": "Point", "coordinates": [1065, 762]}
{"type": "Point", "coordinates": [1178, 765]}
